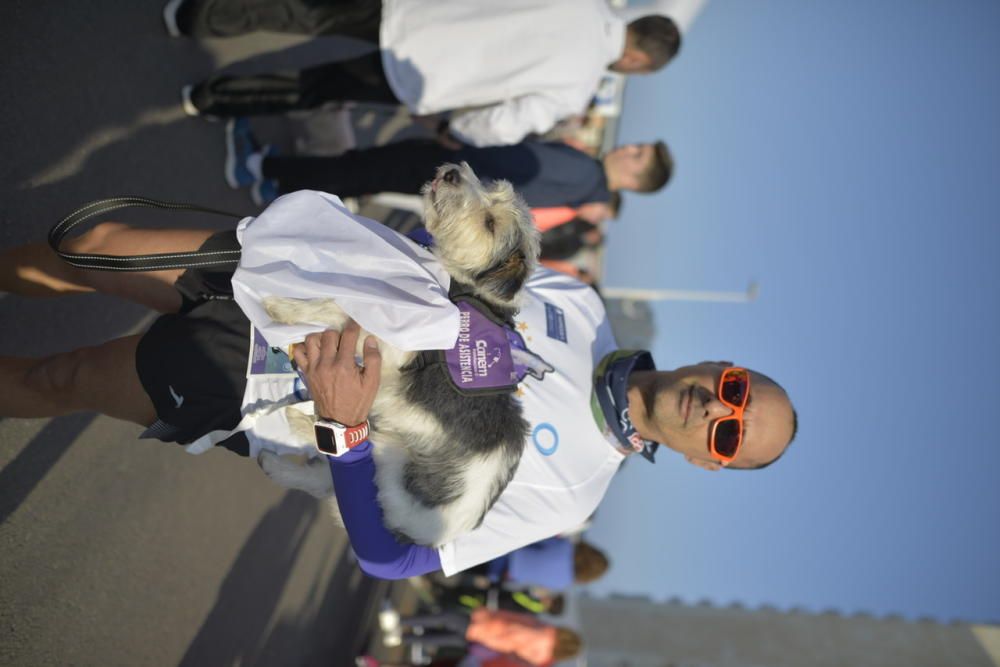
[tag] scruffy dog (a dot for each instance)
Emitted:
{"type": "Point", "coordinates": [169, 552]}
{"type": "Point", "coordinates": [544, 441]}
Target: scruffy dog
{"type": "Point", "coordinates": [442, 457]}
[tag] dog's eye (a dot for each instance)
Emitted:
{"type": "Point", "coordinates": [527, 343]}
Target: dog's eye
{"type": "Point", "coordinates": [491, 223]}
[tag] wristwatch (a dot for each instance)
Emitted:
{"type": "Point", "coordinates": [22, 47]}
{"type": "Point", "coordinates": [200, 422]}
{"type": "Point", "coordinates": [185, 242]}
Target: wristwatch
{"type": "Point", "coordinates": [335, 439]}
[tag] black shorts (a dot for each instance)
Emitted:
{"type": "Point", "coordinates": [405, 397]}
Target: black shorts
{"type": "Point", "coordinates": [193, 364]}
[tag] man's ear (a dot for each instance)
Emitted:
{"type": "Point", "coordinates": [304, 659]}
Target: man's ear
{"type": "Point", "coordinates": [704, 465]}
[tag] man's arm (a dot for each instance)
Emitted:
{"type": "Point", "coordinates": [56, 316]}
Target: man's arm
{"type": "Point", "coordinates": [379, 553]}
{"type": "Point", "coordinates": [344, 392]}
{"type": "Point", "coordinates": [506, 123]}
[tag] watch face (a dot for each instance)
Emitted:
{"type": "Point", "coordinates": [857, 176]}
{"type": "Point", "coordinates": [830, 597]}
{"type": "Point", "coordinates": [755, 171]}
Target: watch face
{"type": "Point", "coordinates": [326, 440]}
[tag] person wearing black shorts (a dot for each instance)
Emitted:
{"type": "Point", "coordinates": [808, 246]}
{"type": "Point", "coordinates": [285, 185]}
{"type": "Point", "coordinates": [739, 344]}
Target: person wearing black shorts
{"type": "Point", "coordinates": [182, 378]}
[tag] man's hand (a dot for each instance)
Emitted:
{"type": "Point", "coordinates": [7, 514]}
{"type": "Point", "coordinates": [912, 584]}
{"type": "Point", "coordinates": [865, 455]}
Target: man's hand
{"type": "Point", "coordinates": [342, 390]}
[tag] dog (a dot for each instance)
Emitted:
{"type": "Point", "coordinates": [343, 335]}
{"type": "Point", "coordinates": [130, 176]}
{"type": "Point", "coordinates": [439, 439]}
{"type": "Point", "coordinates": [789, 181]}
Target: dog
{"type": "Point", "coordinates": [442, 457]}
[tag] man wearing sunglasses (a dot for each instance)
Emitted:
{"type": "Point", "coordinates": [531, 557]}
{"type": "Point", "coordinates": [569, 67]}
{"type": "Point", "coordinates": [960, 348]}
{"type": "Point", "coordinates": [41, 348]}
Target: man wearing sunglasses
{"type": "Point", "coordinates": [599, 406]}
{"type": "Point", "coordinates": [596, 406]}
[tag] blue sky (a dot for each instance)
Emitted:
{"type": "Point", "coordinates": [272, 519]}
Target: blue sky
{"type": "Point", "coordinates": [846, 156]}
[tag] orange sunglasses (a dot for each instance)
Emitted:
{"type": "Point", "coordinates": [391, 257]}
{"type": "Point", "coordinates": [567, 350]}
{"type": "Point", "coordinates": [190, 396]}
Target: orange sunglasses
{"type": "Point", "coordinates": [726, 436]}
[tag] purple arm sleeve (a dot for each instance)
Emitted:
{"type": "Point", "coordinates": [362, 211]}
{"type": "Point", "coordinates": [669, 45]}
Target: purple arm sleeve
{"type": "Point", "coordinates": [379, 554]}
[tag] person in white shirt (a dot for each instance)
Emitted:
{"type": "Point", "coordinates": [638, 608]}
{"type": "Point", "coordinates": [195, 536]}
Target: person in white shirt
{"type": "Point", "coordinates": [505, 69]}
{"type": "Point", "coordinates": [188, 378]}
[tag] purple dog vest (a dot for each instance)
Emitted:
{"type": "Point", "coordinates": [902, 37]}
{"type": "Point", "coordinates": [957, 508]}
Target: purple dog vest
{"type": "Point", "coordinates": [489, 356]}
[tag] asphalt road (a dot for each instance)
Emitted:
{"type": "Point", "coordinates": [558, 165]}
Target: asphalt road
{"type": "Point", "coordinates": [115, 551]}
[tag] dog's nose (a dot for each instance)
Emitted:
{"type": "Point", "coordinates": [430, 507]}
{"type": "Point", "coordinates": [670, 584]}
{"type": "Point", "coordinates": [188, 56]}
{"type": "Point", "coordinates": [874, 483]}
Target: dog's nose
{"type": "Point", "coordinates": [451, 176]}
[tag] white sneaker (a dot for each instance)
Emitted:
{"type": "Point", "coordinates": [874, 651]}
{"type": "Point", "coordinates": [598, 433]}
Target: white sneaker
{"type": "Point", "coordinates": [170, 17]}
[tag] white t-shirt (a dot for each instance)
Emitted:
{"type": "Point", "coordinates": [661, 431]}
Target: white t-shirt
{"type": "Point", "coordinates": [307, 245]}
{"type": "Point", "coordinates": [516, 67]}
{"type": "Point", "coordinates": [568, 462]}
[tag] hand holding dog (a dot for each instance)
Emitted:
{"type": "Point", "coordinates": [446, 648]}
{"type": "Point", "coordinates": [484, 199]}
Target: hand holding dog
{"type": "Point", "coordinates": [341, 390]}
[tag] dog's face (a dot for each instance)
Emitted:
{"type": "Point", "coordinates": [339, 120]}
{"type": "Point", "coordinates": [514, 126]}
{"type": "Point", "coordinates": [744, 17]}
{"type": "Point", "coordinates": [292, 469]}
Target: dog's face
{"type": "Point", "coordinates": [483, 236]}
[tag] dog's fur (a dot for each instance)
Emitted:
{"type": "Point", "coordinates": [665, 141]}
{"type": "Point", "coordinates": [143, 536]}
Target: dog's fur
{"type": "Point", "coordinates": [442, 458]}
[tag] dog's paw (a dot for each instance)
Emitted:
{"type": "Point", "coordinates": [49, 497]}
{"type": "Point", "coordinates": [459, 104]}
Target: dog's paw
{"type": "Point", "coordinates": [313, 477]}
{"type": "Point", "coordinates": [281, 309]}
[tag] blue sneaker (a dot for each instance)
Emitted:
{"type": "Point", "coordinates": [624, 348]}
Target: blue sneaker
{"type": "Point", "coordinates": [241, 146]}
{"type": "Point", "coordinates": [264, 191]}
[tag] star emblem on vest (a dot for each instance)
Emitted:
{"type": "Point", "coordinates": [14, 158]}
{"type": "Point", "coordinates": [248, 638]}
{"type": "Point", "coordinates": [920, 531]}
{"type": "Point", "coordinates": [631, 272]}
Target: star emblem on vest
{"type": "Point", "coordinates": [178, 399]}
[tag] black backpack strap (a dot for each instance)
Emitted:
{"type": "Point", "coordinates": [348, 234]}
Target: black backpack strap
{"type": "Point", "coordinates": [159, 262]}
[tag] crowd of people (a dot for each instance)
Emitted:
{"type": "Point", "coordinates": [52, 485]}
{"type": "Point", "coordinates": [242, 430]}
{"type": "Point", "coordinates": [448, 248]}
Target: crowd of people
{"type": "Point", "coordinates": [508, 611]}
{"type": "Point", "coordinates": [490, 82]}
{"type": "Point", "coordinates": [451, 67]}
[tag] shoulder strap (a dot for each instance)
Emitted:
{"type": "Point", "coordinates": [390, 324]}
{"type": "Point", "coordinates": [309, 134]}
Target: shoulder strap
{"type": "Point", "coordinates": [158, 262]}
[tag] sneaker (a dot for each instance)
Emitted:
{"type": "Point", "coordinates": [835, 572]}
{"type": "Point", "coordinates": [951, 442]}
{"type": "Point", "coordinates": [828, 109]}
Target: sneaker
{"type": "Point", "coordinates": [393, 638]}
{"type": "Point", "coordinates": [264, 191]}
{"type": "Point", "coordinates": [170, 17]}
{"type": "Point", "coordinates": [186, 103]}
{"type": "Point", "coordinates": [241, 145]}
{"type": "Point", "coordinates": [388, 619]}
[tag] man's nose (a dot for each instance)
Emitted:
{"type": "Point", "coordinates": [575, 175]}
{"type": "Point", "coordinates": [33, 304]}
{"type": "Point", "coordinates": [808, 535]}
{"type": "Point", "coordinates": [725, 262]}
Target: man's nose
{"type": "Point", "coordinates": [715, 409]}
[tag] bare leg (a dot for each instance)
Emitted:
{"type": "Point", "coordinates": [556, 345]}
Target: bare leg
{"type": "Point", "coordinates": [101, 378]}
{"type": "Point", "coordinates": [34, 270]}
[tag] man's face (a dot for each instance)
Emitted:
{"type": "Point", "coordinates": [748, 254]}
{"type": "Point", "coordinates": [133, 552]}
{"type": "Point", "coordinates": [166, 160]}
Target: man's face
{"type": "Point", "coordinates": [627, 163]}
{"type": "Point", "coordinates": [685, 403]}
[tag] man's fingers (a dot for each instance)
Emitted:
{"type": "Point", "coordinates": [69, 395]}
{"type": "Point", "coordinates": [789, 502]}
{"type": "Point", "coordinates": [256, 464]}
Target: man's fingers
{"type": "Point", "coordinates": [348, 342]}
{"type": "Point", "coordinates": [300, 357]}
{"type": "Point", "coordinates": [312, 346]}
{"type": "Point", "coordinates": [330, 342]}
{"type": "Point", "coordinates": [373, 363]}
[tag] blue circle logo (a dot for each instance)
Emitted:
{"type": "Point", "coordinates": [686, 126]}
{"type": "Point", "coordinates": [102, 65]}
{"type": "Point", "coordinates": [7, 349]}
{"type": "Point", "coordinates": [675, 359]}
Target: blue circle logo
{"type": "Point", "coordinates": [546, 439]}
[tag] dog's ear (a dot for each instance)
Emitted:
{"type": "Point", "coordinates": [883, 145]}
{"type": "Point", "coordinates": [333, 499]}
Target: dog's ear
{"type": "Point", "coordinates": [502, 192]}
{"type": "Point", "coordinates": [504, 280]}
